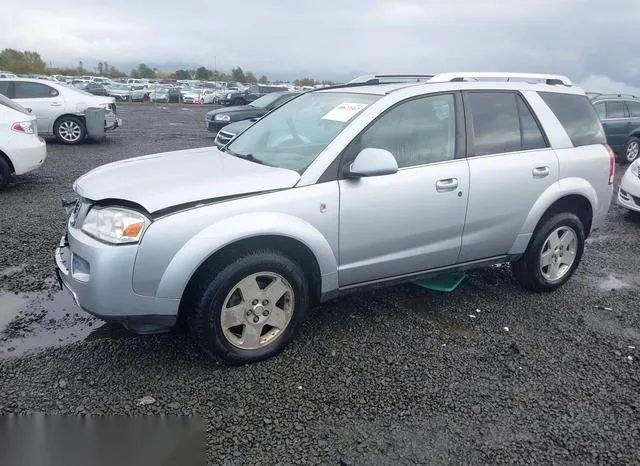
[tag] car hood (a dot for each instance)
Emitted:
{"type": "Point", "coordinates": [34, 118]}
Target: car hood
{"type": "Point", "coordinates": [235, 128]}
{"type": "Point", "coordinates": [170, 179]}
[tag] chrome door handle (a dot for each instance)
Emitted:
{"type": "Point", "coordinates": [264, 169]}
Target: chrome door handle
{"type": "Point", "coordinates": [56, 104]}
{"type": "Point", "coordinates": [447, 184]}
{"type": "Point", "coordinates": [540, 172]}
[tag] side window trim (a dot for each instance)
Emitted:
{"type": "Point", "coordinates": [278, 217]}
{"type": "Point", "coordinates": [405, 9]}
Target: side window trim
{"type": "Point", "coordinates": [335, 171]}
{"type": "Point", "coordinates": [524, 102]}
{"type": "Point", "coordinates": [517, 95]}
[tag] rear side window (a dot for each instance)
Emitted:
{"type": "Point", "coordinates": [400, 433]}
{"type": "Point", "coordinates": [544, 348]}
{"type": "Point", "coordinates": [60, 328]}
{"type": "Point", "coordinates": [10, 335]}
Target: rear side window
{"type": "Point", "coordinates": [29, 90]}
{"type": "Point", "coordinates": [616, 110]}
{"type": "Point", "coordinates": [634, 108]}
{"type": "Point", "coordinates": [500, 122]}
{"type": "Point", "coordinates": [577, 116]}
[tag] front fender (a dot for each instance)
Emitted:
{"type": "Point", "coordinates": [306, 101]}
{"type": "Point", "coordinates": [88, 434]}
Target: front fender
{"type": "Point", "coordinates": [220, 234]}
{"type": "Point", "coordinates": [561, 188]}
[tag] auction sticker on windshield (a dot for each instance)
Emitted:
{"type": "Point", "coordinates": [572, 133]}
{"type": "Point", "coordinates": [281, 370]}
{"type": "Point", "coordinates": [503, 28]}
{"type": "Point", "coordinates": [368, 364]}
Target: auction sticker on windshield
{"type": "Point", "coordinates": [343, 112]}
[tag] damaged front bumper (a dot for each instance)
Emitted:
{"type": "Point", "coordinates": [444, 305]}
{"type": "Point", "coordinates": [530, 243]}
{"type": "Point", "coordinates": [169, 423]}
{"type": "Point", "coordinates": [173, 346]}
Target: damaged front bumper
{"type": "Point", "coordinates": [99, 276]}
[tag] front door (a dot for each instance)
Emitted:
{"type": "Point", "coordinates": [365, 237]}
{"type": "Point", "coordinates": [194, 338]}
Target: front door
{"type": "Point", "coordinates": [44, 101]}
{"type": "Point", "coordinates": [412, 220]}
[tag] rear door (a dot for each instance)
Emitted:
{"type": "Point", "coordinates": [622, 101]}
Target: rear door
{"type": "Point", "coordinates": [616, 123]}
{"type": "Point", "coordinates": [510, 166]}
{"type": "Point", "coordinates": [633, 108]}
{"type": "Point", "coordinates": [44, 101]}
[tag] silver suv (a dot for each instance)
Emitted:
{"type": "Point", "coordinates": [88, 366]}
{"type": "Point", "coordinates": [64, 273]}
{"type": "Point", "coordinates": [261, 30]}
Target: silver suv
{"type": "Point", "coordinates": [378, 181]}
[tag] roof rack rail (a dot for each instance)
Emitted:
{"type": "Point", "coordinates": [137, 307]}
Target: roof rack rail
{"type": "Point", "coordinates": [551, 79]}
{"type": "Point", "coordinates": [390, 78]}
{"type": "Point", "coordinates": [613, 94]}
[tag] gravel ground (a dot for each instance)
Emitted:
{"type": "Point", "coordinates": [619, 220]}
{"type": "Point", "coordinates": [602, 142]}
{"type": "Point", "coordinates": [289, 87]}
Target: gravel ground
{"type": "Point", "coordinates": [486, 374]}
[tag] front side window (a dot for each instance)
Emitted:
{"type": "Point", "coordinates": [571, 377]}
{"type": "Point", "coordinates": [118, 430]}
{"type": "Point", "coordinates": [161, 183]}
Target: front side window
{"type": "Point", "coordinates": [29, 90]}
{"type": "Point", "coordinates": [416, 132]}
{"type": "Point", "coordinates": [293, 135]}
{"type": "Point", "coordinates": [616, 110]}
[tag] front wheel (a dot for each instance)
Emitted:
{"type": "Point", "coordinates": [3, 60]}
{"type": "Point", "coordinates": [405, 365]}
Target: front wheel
{"type": "Point", "coordinates": [632, 149]}
{"type": "Point", "coordinates": [553, 253]}
{"type": "Point", "coordinates": [251, 308]}
{"type": "Point", "coordinates": [69, 130]}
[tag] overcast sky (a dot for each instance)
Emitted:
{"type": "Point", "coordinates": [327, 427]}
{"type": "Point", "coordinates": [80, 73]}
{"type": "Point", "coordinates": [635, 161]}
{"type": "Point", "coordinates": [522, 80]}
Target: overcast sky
{"type": "Point", "coordinates": [585, 39]}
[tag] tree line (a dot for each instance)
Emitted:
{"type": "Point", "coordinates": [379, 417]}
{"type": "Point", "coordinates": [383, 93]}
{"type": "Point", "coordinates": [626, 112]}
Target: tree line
{"type": "Point", "coordinates": [30, 62]}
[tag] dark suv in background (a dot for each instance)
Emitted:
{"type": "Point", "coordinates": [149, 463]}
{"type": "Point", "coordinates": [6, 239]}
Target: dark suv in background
{"type": "Point", "coordinates": [620, 117]}
{"type": "Point", "coordinates": [243, 97]}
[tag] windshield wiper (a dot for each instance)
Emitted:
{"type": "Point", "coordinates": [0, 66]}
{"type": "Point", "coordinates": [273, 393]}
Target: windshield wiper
{"type": "Point", "coordinates": [246, 157]}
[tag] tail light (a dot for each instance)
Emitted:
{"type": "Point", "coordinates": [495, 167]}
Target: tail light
{"type": "Point", "coordinates": [26, 127]}
{"type": "Point", "coordinates": [612, 163]}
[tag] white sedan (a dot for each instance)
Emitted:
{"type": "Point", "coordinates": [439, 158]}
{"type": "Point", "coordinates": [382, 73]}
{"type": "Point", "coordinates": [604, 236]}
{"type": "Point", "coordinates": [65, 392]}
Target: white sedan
{"type": "Point", "coordinates": [629, 191]}
{"type": "Point", "coordinates": [59, 108]}
{"type": "Point", "coordinates": [21, 149]}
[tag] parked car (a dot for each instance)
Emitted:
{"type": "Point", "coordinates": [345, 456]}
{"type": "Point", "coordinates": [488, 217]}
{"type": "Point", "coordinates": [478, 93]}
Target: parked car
{"type": "Point", "coordinates": [228, 132]}
{"type": "Point", "coordinates": [244, 96]}
{"type": "Point", "coordinates": [620, 117]}
{"type": "Point", "coordinates": [337, 190]}
{"type": "Point", "coordinates": [629, 190]}
{"type": "Point", "coordinates": [159, 94]}
{"type": "Point", "coordinates": [174, 94]}
{"type": "Point", "coordinates": [21, 149]}
{"type": "Point", "coordinates": [59, 108]}
{"type": "Point", "coordinates": [95, 88]}
{"type": "Point", "coordinates": [121, 92]}
{"type": "Point", "coordinates": [216, 119]}
{"type": "Point", "coordinates": [190, 95]}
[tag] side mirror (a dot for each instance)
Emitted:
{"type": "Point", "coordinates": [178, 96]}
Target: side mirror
{"type": "Point", "coordinates": [373, 162]}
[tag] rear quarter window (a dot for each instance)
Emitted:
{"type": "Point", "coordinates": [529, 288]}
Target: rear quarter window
{"type": "Point", "coordinates": [577, 116]}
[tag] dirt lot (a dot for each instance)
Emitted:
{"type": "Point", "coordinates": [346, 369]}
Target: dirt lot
{"type": "Point", "coordinates": [398, 376]}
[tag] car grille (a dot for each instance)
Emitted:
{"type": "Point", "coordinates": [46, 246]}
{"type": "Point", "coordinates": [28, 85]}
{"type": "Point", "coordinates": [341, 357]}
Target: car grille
{"type": "Point", "coordinates": [223, 137]}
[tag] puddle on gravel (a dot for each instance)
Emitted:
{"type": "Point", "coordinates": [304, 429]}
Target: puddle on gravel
{"type": "Point", "coordinates": [612, 283]}
{"type": "Point", "coordinates": [36, 320]}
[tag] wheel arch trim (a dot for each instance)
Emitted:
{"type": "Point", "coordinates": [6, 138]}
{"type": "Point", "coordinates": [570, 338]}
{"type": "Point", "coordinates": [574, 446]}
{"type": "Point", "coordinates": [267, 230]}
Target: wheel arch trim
{"type": "Point", "coordinates": [219, 235]}
{"type": "Point", "coordinates": [565, 187]}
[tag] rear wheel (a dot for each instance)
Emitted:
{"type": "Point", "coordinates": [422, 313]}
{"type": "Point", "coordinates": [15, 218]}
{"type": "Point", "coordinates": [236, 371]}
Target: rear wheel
{"type": "Point", "coordinates": [5, 173]}
{"type": "Point", "coordinates": [251, 308]}
{"type": "Point", "coordinates": [553, 253]}
{"type": "Point", "coordinates": [632, 149]}
{"type": "Point", "coordinates": [69, 130]}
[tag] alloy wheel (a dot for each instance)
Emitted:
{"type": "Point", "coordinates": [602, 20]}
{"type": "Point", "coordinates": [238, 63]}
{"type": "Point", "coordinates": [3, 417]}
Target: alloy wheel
{"type": "Point", "coordinates": [558, 253]}
{"type": "Point", "coordinates": [257, 310]}
{"type": "Point", "coordinates": [70, 131]}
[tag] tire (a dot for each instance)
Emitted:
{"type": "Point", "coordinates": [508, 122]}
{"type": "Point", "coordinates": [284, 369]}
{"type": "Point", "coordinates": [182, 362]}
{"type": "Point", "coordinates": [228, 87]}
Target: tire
{"type": "Point", "coordinates": [237, 102]}
{"type": "Point", "coordinates": [5, 173]}
{"type": "Point", "coordinates": [631, 150]}
{"type": "Point", "coordinates": [232, 342]}
{"type": "Point", "coordinates": [69, 130]}
{"type": "Point", "coordinates": [528, 271]}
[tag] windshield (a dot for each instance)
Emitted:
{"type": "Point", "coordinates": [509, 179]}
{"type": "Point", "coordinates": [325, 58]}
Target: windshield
{"type": "Point", "coordinates": [266, 100]}
{"type": "Point", "coordinates": [293, 135]}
